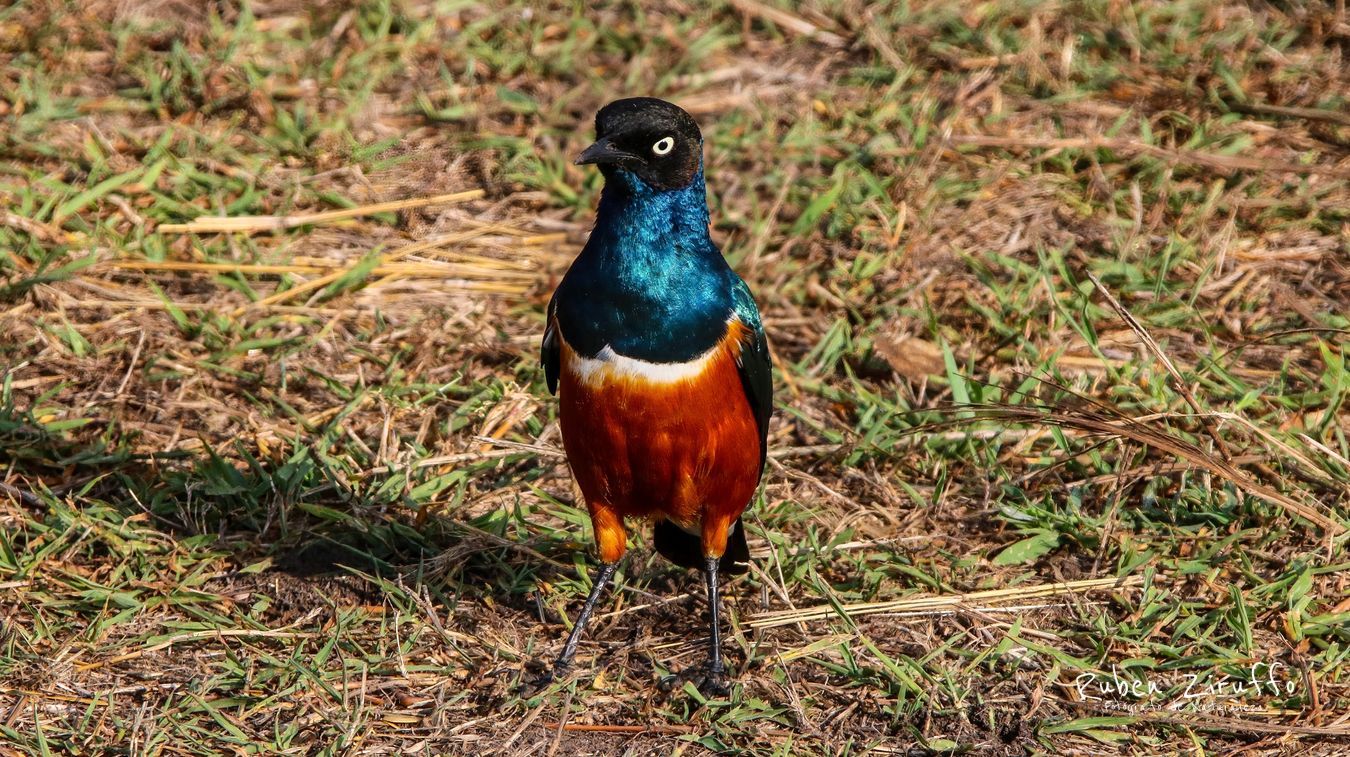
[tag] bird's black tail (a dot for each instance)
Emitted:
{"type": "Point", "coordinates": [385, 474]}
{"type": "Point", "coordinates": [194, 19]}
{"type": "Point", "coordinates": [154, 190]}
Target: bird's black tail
{"type": "Point", "coordinates": [686, 550]}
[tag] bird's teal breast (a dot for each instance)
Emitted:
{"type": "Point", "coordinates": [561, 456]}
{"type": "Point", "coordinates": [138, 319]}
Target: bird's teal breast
{"type": "Point", "coordinates": [649, 284]}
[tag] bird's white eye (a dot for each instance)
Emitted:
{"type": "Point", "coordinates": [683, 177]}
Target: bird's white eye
{"type": "Point", "coordinates": [664, 145]}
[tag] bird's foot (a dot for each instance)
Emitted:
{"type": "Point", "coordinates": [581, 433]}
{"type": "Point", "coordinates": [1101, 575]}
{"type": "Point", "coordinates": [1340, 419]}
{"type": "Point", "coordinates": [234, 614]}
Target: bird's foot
{"type": "Point", "coordinates": [714, 681]}
{"type": "Point", "coordinates": [710, 680]}
{"type": "Point", "coordinates": [535, 681]}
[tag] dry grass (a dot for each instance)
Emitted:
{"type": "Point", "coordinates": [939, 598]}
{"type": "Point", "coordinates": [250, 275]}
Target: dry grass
{"type": "Point", "coordinates": [1057, 298]}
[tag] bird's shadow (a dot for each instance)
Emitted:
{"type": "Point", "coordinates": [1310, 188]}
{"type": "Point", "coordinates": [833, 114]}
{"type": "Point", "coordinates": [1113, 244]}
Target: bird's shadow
{"type": "Point", "coordinates": [299, 518]}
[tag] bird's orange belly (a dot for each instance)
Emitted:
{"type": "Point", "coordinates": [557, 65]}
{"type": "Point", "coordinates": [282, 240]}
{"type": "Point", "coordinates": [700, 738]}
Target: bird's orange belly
{"type": "Point", "coordinates": [670, 440]}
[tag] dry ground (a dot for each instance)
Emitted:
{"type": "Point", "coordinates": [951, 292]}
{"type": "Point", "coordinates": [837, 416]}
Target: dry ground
{"type": "Point", "coordinates": [1058, 299]}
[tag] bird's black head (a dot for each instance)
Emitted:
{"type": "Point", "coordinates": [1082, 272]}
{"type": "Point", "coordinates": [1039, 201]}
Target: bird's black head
{"type": "Point", "coordinates": [651, 139]}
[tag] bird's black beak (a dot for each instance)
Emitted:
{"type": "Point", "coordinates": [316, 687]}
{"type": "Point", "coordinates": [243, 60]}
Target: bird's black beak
{"type": "Point", "coordinates": [604, 152]}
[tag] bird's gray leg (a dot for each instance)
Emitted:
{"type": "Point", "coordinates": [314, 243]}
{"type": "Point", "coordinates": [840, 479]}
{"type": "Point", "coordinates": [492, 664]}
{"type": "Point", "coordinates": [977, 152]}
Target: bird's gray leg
{"type": "Point", "coordinates": [715, 680]}
{"type": "Point", "coordinates": [573, 638]}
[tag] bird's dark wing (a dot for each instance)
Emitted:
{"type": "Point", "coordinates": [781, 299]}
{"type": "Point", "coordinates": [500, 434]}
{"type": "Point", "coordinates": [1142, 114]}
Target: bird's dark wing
{"type": "Point", "coordinates": [755, 367]}
{"type": "Point", "coordinates": [550, 352]}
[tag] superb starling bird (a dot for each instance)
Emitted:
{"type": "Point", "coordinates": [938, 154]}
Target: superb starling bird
{"type": "Point", "coordinates": [656, 350]}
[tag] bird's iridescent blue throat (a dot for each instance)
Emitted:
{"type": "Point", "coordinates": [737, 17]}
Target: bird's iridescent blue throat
{"type": "Point", "coordinates": [650, 283]}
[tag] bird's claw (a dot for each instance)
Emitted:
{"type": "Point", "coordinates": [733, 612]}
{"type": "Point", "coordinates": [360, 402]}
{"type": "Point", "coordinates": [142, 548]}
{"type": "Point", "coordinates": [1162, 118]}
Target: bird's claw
{"type": "Point", "coordinates": [710, 680]}
{"type": "Point", "coordinates": [714, 681]}
{"type": "Point", "coordinates": [533, 685]}
{"type": "Point", "coordinates": [714, 685]}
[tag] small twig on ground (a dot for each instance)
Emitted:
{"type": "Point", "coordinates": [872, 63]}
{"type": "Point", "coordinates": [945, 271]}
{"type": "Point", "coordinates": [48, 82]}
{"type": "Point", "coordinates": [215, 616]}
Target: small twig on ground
{"type": "Point", "coordinates": [1131, 428]}
{"type": "Point", "coordinates": [1209, 160]}
{"type": "Point", "coordinates": [24, 496]}
{"type": "Point", "coordinates": [1308, 114]}
{"type": "Point", "coordinates": [34, 228]}
{"type": "Point", "coordinates": [562, 726]}
{"type": "Point", "coordinates": [213, 633]}
{"type": "Point", "coordinates": [131, 365]}
{"type": "Point", "coordinates": [664, 730]}
{"type": "Point", "coordinates": [1178, 382]}
{"type": "Point", "coordinates": [931, 603]}
{"type": "Point", "coordinates": [793, 23]}
{"type": "Point", "coordinates": [250, 224]}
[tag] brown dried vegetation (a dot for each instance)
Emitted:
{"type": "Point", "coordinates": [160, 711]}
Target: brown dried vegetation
{"type": "Point", "coordinates": [1058, 300]}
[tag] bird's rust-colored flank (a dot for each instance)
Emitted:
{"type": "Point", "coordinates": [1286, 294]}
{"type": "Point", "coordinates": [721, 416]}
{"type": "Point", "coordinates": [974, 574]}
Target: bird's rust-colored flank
{"type": "Point", "coordinates": [686, 450]}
